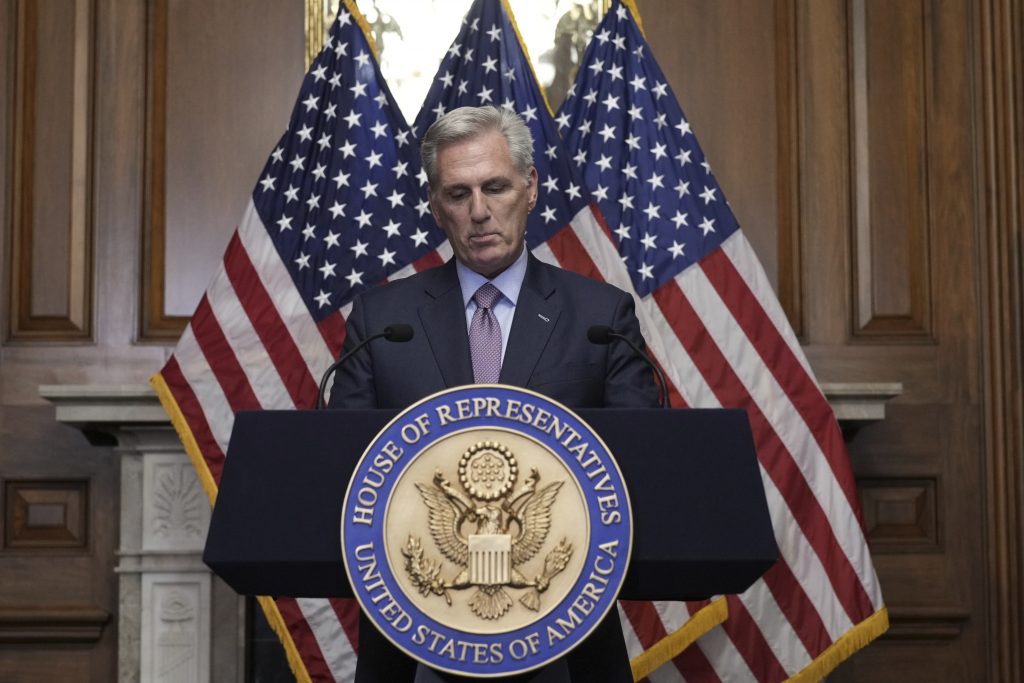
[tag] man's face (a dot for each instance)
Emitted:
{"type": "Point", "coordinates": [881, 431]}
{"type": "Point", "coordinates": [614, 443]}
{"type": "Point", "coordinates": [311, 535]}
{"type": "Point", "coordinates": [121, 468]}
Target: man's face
{"type": "Point", "coordinates": [481, 201]}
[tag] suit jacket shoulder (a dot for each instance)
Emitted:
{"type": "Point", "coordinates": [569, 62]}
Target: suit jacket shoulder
{"type": "Point", "coordinates": [548, 349]}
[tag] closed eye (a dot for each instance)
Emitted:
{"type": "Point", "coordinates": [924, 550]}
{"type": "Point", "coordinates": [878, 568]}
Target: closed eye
{"type": "Point", "coordinates": [496, 187]}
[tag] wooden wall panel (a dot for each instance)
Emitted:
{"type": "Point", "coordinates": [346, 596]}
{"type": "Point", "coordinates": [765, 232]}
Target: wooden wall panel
{"type": "Point", "coordinates": [58, 605]}
{"type": "Point", "coordinates": [58, 597]}
{"type": "Point", "coordinates": [903, 123]}
{"type": "Point", "coordinates": [46, 514]}
{"type": "Point", "coordinates": [51, 254]}
{"type": "Point", "coordinates": [900, 513]}
{"type": "Point", "coordinates": [889, 55]}
{"type": "Point", "coordinates": [218, 99]}
{"type": "Point", "coordinates": [874, 100]}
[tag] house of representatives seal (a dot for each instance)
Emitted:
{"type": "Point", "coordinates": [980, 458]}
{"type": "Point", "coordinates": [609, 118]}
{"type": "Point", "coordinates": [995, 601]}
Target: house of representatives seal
{"type": "Point", "coordinates": [486, 530]}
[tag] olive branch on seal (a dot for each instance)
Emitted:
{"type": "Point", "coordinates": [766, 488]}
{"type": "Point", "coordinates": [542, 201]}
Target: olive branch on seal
{"type": "Point", "coordinates": [425, 574]}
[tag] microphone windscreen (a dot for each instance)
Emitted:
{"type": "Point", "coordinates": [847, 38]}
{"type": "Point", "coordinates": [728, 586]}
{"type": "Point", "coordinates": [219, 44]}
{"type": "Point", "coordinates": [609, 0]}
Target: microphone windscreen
{"type": "Point", "coordinates": [399, 332]}
{"type": "Point", "coordinates": [600, 334]}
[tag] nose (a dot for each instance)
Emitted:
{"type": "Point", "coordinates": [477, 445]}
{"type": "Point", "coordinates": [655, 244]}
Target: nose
{"type": "Point", "coordinates": [479, 211]}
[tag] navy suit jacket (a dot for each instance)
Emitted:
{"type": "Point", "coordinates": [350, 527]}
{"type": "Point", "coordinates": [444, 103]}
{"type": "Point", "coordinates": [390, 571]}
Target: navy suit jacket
{"type": "Point", "coordinates": [548, 350]}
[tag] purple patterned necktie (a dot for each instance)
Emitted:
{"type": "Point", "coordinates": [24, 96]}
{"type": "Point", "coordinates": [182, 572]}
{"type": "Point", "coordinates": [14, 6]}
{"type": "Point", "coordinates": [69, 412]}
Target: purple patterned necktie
{"type": "Point", "coordinates": [485, 336]}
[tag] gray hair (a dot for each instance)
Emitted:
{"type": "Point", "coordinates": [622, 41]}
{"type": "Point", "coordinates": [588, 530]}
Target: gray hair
{"type": "Point", "coordinates": [468, 122]}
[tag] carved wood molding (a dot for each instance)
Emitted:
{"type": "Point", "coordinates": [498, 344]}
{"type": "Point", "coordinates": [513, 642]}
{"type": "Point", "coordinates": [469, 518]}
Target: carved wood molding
{"type": "Point", "coordinates": [37, 176]}
{"type": "Point", "coordinates": [84, 405]}
{"type": "Point", "coordinates": [46, 515]}
{"type": "Point", "coordinates": [925, 623]}
{"type": "Point", "coordinates": [901, 514]}
{"type": "Point", "coordinates": [155, 323]}
{"type": "Point", "coordinates": [44, 625]}
{"type": "Point", "coordinates": [858, 403]}
{"type": "Point", "coordinates": [788, 104]}
{"type": "Point", "coordinates": [1000, 90]}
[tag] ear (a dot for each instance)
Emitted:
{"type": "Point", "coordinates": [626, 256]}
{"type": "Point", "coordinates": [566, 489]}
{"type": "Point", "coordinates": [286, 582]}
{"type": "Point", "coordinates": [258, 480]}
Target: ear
{"type": "Point", "coordinates": [531, 187]}
{"type": "Point", "coordinates": [433, 208]}
{"type": "Point", "coordinates": [437, 216]}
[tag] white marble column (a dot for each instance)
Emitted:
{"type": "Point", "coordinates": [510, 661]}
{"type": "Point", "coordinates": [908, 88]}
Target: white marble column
{"type": "Point", "coordinates": [176, 621]}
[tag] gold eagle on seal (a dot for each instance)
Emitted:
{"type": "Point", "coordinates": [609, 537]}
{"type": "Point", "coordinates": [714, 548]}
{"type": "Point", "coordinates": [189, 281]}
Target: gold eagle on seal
{"type": "Point", "coordinates": [488, 532]}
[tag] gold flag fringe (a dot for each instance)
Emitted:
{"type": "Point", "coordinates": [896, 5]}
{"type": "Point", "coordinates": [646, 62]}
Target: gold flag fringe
{"type": "Point", "coordinates": [844, 648]}
{"type": "Point", "coordinates": [671, 645]}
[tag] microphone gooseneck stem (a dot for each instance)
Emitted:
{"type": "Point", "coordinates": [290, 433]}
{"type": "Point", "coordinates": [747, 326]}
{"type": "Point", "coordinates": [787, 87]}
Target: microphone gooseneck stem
{"type": "Point", "coordinates": [397, 332]}
{"type": "Point", "coordinates": [662, 383]}
{"type": "Point", "coordinates": [338, 363]}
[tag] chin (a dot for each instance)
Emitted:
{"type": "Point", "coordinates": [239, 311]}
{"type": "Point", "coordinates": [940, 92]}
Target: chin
{"type": "Point", "coordinates": [490, 269]}
{"type": "Point", "coordinates": [484, 265]}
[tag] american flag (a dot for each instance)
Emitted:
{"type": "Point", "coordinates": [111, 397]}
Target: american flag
{"type": "Point", "coordinates": [340, 206]}
{"type": "Point", "coordinates": [718, 330]}
{"type": "Point", "coordinates": [487, 65]}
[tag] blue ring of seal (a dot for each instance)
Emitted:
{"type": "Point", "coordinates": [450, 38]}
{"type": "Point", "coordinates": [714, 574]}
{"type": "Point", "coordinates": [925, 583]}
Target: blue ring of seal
{"type": "Point", "coordinates": [522, 649]}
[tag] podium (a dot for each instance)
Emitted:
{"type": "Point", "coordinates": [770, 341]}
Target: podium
{"type": "Point", "coordinates": [701, 522]}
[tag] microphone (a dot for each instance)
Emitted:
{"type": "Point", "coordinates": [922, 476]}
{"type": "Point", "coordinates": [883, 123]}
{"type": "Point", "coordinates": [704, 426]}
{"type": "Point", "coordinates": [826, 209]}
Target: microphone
{"type": "Point", "coordinates": [398, 332]}
{"type": "Point", "coordinates": [604, 335]}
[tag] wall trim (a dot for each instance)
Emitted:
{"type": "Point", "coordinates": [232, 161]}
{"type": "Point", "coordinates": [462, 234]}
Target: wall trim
{"type": "Point", "coordinates": [999, 90]}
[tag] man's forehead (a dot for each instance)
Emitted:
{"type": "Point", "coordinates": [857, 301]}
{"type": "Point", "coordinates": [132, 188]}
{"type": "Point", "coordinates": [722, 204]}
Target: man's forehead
{"type": "Point", "coordinates": [490, 141]}
{"type": "Point", "coordinates": [485, 154]}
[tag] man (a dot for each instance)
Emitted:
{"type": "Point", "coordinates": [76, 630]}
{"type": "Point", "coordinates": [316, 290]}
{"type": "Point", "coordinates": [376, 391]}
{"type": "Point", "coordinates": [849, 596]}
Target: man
{"type": "Point", "coordinates": [493, 313]}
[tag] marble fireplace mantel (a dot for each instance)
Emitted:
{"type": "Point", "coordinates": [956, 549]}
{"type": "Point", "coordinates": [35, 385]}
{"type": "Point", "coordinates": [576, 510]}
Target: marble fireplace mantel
{"type": "Point", "coordinates": [176, 621]}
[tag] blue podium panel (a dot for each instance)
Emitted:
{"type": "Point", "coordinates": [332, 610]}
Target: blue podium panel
{"type": "Point", "coordinates": [700, 518]}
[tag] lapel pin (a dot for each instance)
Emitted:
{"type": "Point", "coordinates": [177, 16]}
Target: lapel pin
{"type": "Point", "coordinates": [547, 320]}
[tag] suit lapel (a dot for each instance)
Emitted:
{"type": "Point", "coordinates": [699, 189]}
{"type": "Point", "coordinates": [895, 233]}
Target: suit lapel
{"type": "Point", "coordinates": [535, 318]}
{"type": "Point", "coordinates": [444, 321]}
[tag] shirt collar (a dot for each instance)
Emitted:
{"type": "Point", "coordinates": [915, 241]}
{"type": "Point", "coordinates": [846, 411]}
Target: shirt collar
{"type": "Point", "coordinates": [508, 282]}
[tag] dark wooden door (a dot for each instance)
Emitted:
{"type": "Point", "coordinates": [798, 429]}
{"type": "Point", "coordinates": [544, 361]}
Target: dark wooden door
{"type": "Point", "coordinates": [850, 138]}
